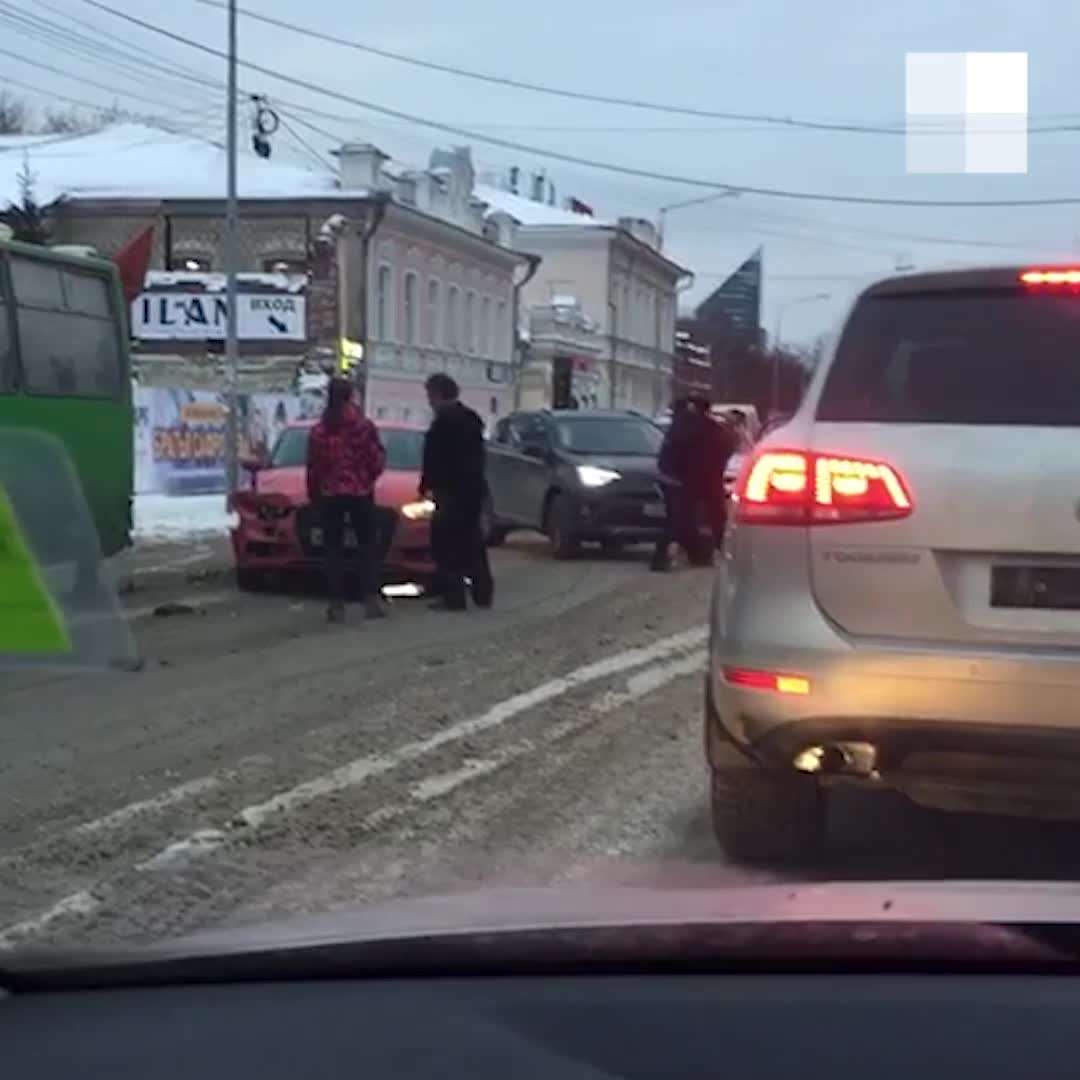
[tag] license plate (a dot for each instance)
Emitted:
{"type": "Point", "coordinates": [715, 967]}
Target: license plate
{"type": "Point", "coordinates": [654, 510]}
{"type": "Point", "coordinates": [316, 538]}
{"type": "Point", "coordinates": [1055, 588]}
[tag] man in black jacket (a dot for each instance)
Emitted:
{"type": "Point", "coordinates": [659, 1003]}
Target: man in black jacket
{"type": "Point", "coordinates": [454, 478]}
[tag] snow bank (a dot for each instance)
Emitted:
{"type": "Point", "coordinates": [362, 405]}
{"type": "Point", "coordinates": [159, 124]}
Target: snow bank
{"type": "Point", "coordinates": [180, 517]}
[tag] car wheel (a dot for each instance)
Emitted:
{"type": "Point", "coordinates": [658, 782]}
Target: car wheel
{"type": "Point", "coordinates": [764, 816]}
{"type": "Point", "coordinates": [250, 580]}
{"type": "Point", "coordinates": [565, 542]}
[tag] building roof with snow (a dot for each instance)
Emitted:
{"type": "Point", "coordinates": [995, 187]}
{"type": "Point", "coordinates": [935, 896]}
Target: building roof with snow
{"type": "Point", "coordinates": [135, 161]}
{"type": "Point", "coordinates": [528, 212]}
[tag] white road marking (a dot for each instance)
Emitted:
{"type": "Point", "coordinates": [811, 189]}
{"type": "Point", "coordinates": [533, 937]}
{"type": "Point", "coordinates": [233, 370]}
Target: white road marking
{"type": "Point", "coordinates": [637, 686]}
{"type": "Point", "coordinates": [359, 771]}
{"type": "Point", "coordinates": [79, 903]}
{"type": "Point", "coordinates": [148, 806]}
{"type": "Point", "coordinates": [362, 769]}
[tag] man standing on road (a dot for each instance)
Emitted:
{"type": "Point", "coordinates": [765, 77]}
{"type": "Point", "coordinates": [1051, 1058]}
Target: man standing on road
{"type": "Point", "coordinates": [345, 458]}
{"type": "Point", "coordinates": [693, 457]}
{"type": "Point", "coordinates": [454, 477]}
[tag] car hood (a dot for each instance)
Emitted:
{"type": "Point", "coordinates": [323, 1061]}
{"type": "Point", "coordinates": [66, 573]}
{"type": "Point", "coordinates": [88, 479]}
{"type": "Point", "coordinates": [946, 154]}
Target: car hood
{"type": "Point", "coordinates": [784, 919]}
{"type": "Point", "coordinates": [560, 907]}
{"type": "Point", "coordinates": [394, 488]}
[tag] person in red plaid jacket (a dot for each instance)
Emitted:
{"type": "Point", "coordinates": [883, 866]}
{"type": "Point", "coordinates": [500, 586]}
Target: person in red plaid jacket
{"type": "Point", "coordinates": [345, 459]}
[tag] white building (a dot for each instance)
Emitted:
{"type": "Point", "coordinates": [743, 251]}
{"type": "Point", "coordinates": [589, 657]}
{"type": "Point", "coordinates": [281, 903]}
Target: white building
{"type": "Point", "coordinates": [617, 275]}
{"type": "Point", "coordinates": [402, 262]}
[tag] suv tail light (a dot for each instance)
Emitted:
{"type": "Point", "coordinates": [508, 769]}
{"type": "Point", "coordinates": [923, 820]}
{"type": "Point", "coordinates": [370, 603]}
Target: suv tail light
{"type": "Point", "coordinates": [797, 487]}
{"type": "Point", "coordinates": [1060, 278]}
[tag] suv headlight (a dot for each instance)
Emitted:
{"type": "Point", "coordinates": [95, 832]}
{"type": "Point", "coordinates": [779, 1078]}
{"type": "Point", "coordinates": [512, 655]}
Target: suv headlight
{"type": "Point", "coordinates": [419, 511]}
{"type": "Point", "coordinates": [592, 476]}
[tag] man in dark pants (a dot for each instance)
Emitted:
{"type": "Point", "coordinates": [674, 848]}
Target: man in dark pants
{"type": "Point", "coordinates": [454, 478]}
{"type": "Point", "coordinates": [692, 461]}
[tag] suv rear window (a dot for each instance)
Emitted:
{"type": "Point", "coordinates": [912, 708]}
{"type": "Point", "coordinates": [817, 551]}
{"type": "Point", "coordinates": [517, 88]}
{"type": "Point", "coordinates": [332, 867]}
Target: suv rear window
{"type": "Point", "coordinates": [1002, 357]}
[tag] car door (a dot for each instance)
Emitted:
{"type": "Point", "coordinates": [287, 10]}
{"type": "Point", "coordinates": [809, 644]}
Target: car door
{"type": "Point", "coordinates": [537, 445]}
{"type": "Point", "coordinates": [507, 469]}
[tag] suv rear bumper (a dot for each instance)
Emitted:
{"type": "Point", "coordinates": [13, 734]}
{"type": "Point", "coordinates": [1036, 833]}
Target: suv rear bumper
{"type": "Point", "coordinates": [978, 729]}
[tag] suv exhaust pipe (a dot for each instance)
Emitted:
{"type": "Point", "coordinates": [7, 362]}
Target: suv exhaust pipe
{"type": "Point", "coordinates": [835, 759]}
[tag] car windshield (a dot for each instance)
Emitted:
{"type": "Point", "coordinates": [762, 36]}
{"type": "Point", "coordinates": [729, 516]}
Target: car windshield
{"type": "Point", "coordinates": [404, 448]}
{"type": "Point", "coordinates": [554, 636]}
{"type": "Point", "coordinates": [290, 451]}
{"type": "Point", "coordinates": [614, 437]}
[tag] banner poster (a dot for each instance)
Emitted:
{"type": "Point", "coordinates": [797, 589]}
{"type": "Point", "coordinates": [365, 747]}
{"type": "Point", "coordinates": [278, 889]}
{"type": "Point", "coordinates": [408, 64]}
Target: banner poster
{"type": "Point", "coordinates": [180, 436]}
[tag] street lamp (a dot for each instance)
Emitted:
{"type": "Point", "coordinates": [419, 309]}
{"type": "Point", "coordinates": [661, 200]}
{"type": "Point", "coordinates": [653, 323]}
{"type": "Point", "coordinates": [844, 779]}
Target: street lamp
{"type": "Point", "coordinates": [726, 193]}
{"type": "Point", "coordinates": [774, 394]}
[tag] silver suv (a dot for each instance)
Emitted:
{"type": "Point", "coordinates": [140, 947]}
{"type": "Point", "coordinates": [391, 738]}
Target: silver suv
{"type": "Point", "coordinates": [899, 600]}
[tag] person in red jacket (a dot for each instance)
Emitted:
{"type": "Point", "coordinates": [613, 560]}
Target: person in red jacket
{"type": "Point", "coordinates": [345, 458]}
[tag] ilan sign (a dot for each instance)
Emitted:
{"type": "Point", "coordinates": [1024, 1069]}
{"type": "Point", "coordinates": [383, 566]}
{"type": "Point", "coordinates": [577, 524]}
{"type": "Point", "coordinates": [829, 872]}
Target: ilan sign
{"type": "Point", "coordinates": [191, 315]}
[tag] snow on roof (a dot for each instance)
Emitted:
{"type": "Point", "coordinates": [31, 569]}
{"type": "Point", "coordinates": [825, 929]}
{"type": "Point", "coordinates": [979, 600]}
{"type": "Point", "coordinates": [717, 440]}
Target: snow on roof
{"type": "Point", "coordinates": [526, 212]}
{"type": "Point", "coordinates": [137, 161]}
{"type": "Point", "coordinates": [215, 282]}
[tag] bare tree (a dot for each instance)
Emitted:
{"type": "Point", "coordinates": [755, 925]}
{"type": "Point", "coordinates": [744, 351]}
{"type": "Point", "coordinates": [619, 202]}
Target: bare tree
{"type": "Point", "coordinates": [14, 115]}
{"type": "Point", "coordinates": [64, 121]}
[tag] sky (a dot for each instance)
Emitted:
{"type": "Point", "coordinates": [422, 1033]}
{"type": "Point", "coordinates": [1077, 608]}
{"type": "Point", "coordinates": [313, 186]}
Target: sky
{"type": "Point", "coordinates": [838, 61]}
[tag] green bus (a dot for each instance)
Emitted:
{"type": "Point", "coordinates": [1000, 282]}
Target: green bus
{"type": "Point", "coordinates": [65, 370]}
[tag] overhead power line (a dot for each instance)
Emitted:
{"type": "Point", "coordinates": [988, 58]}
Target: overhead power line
{"type": "Point", "coordinates": [574, 159]}
{"type": "Point", "coordinates": [59, 39]}
{"type": "Point", "coordinates": [118, 91]}
{"type": "Point", "coordinates": [600, 99]}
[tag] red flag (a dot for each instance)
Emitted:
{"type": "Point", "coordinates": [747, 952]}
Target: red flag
{"type": "Point", "coordinates": [133, 260]}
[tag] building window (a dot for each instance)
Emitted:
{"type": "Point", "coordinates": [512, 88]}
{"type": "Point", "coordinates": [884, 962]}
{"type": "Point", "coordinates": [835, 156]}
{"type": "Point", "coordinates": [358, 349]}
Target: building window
{"type": "Point", "coordinates": [470, 322]}
{"type": "Point", "coordinates": [485, 327]}
{"type": "Point", "coordinates": [432, 312]}
{"type": "Point", "coordinates": [383, 309]}
{"type": "Point", "coordinates": [502, 331]}
{"type": "Point", "coordinates": [452, 317]}
{"type": "Point", "coordinates": [410, 308]}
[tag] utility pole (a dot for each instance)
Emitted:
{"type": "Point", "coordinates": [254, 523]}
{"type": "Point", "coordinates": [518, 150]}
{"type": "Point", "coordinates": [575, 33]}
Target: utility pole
{"type": "Point", "coordinates": [232, 258]}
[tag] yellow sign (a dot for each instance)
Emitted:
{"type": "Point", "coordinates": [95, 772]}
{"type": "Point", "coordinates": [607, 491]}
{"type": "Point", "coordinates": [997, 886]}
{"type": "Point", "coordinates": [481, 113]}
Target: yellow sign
{"type": "Point", "coordinates": [30, 621]}
{"type": "Point", "coordinates": [350, 353]}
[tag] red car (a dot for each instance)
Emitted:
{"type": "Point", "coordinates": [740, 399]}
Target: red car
{"type": "Point", "coordinates": [279, 531]}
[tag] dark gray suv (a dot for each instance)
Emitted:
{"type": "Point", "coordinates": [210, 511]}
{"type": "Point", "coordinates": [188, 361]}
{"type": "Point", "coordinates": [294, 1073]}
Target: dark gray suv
{"type": "Point", "coordinates": [576, 476]}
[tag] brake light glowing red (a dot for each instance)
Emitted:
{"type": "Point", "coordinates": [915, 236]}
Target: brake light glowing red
{"type": "Point", "coordinates": [795, 487]}
{"type": "Point", "coordinates": [767, 680]}
{"type": "Point", "coordinates": [1060, 277]}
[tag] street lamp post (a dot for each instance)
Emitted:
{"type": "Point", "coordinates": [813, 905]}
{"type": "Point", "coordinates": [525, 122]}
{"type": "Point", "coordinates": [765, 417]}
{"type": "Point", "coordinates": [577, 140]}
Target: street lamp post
{"type": "Point", "coordinates": [232, 259]}
{"type": "Point", "coordinates": [727, 193]}
{"type": "Point", "coordinates": [774, 394]}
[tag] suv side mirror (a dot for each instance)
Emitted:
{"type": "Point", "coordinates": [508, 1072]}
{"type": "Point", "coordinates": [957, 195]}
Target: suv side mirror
{"type": "Point", "coordinates": [536, 450]}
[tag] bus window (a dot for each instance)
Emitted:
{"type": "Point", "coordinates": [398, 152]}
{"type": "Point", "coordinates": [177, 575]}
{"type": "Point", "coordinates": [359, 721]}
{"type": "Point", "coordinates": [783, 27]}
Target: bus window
{"type": "Point", "coordinates": [67, 339]}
